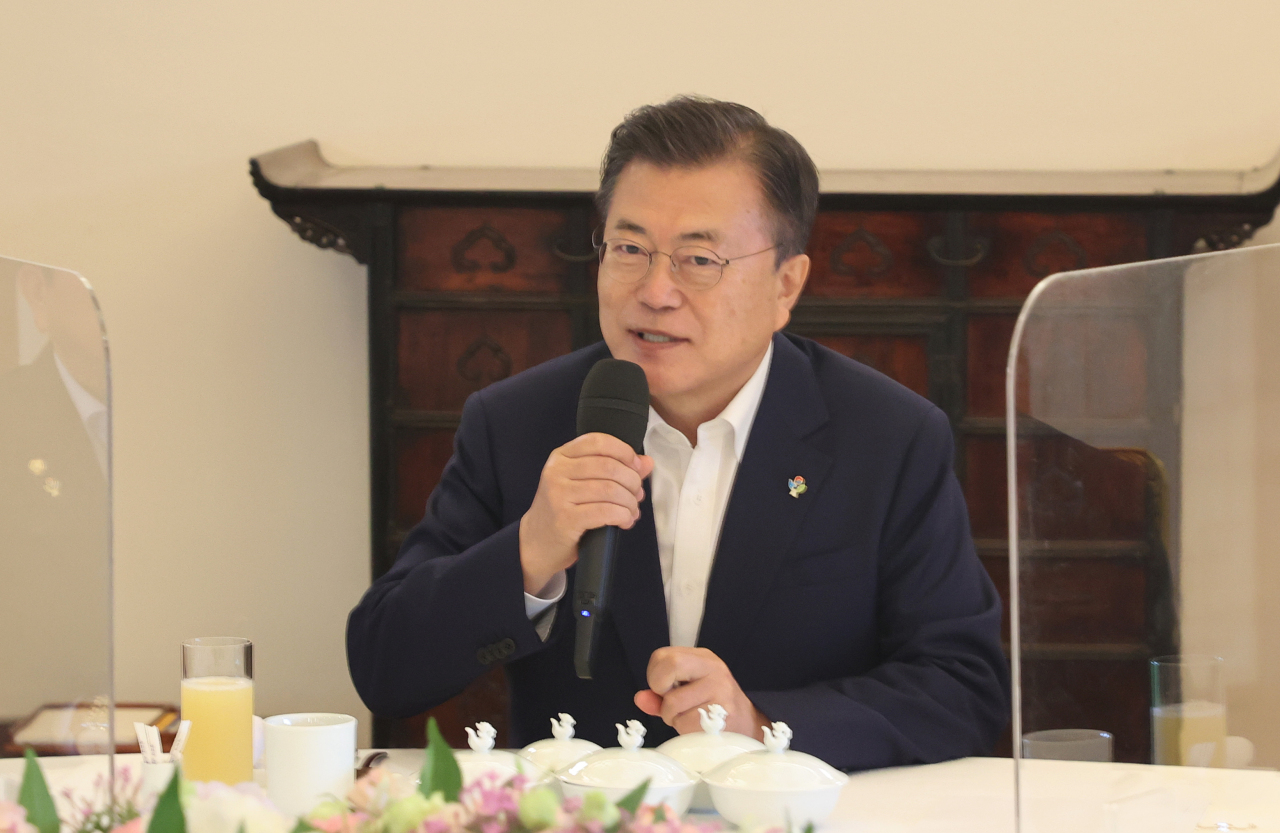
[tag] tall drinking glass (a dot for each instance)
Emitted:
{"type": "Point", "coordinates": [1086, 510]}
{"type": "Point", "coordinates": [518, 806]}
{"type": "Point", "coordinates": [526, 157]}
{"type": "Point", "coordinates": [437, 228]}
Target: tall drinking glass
{"type": "Point", "coordinates": [217, 697]}
{"type": "Point", "coordinates": [1188, 711]}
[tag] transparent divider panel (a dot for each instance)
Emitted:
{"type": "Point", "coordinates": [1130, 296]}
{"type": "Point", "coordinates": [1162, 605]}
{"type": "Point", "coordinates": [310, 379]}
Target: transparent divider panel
{"type": "Point", "coordinates": [1144, 471]}
{"type": "Point", "coordinates": [55, 518]}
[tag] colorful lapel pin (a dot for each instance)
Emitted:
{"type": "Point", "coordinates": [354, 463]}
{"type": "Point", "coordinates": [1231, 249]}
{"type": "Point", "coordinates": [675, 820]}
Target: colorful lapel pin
{"type": "Point", "coordinates": [797, 486]}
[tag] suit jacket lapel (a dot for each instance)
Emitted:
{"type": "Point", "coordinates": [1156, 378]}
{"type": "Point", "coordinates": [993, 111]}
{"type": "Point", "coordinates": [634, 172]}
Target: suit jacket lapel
{"type": "Point", "coordinates": [762, 519]}
{"type": "Point", "coordinates": [636, 599]}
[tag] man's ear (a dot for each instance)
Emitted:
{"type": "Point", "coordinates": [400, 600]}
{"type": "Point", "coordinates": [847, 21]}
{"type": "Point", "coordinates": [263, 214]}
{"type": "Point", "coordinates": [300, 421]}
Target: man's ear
{"type": "Point", "coordinates": [792, 275]}
{"type": "Point", "coordinates": [35, 289]}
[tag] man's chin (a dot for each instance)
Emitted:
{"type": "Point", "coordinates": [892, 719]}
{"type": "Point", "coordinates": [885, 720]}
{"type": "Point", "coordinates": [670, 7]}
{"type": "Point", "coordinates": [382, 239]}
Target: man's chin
{"type": "Point", "coordinates": [664, 383]}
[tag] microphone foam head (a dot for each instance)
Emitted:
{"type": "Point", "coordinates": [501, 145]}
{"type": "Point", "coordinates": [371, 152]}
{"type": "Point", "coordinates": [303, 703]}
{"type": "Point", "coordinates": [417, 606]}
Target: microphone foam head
{"type": "Point", "coordinates": [615, 401]}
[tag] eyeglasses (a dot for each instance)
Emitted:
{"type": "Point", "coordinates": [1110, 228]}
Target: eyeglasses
{"type": "Point", "coordinates": [694, 267]}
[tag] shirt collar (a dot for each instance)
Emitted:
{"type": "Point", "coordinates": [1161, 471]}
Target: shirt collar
{"type": "Point", "coordinates": [740, 413]}
{"type": "Point", "coordinates": [86, 404]}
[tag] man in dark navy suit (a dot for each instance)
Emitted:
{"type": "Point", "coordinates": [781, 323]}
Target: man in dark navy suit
{"type": "Point", "coordinates": [796, 547]}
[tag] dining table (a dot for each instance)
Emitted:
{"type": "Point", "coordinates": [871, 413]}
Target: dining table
{"type": "Point", "coordinates": [969, 794]}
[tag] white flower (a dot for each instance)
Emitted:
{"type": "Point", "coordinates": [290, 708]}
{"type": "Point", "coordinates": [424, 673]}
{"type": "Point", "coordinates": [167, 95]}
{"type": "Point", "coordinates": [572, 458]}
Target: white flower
{"type": "Point", "coordinates": [217, 808]}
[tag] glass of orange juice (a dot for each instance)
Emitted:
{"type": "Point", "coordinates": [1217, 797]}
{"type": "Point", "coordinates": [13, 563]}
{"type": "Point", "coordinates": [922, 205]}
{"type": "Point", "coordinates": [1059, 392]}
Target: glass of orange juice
{"type": "Point", "coordinates": [217, 697]}
{"type": "Point", "coordinates": [1188, 711]}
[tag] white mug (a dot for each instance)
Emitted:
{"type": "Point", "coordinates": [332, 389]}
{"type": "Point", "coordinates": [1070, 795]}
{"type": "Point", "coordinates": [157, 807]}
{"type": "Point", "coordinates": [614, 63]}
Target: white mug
{"type": "Point", "coordinates": [308, 758]}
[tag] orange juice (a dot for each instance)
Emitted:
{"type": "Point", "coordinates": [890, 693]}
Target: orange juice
{"type": "Point", "coordinates": [220, 746]}
{"type": "Point", "coordinates": [1190, 734]}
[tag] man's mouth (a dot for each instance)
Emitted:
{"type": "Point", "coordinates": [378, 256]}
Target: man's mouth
{"type": "Point", "coordinates": [652, 342]}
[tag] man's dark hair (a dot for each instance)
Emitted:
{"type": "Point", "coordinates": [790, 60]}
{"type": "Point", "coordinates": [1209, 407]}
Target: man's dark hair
{"type": "Point", "coordinates": [694, 131]}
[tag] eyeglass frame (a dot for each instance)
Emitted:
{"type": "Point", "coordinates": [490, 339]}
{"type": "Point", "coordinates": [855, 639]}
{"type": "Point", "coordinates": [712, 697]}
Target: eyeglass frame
{"type": "Point", "coordinates": [675, 272]}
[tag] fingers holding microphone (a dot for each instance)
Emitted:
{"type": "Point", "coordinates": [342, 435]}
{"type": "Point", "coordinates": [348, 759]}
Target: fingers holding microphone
{"type": "Point", "coordinates": [594, 480]}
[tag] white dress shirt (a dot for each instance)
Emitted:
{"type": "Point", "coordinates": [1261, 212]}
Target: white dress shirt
{"type": "Point", "coordinates": [690, 488]}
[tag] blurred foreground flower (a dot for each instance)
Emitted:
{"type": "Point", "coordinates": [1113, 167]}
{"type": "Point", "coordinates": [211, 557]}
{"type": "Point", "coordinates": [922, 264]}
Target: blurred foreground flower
{"type": "Point", "coordinates": [13, 819]}
{"type": "Point", "coordinates": [217, 808]}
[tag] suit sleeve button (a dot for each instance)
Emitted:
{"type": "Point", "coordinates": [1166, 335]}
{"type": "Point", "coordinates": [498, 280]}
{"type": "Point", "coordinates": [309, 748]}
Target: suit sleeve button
{"type": "Point", "coordinates": [506, 648]}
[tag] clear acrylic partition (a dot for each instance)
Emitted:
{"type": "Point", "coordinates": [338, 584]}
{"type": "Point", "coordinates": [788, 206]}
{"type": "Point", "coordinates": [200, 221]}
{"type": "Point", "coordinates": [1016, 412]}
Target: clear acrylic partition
{"type": "Point", "coordinates": [1144, 471]}
{"type": "Point", "coordinates": [55, 517]}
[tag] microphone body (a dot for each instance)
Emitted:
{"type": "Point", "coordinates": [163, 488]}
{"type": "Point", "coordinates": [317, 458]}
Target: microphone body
{"type": "Point", "coordinates": [614, 401]}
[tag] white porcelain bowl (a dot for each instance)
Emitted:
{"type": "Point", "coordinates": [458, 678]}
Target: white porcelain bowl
{"type": "Point", "coordinates": [701, 752]}
{"type": "Point", "coordinates": [616, 772]}
{"type": "Point", "coordinates": [768, 789]}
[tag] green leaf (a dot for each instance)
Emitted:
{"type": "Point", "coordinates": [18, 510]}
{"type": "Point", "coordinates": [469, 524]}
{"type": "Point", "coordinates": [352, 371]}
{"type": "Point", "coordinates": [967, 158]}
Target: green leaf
{"type": "Point", "coordinates": [303, 826]}
{"type": "Point", "coordinates": [659, 813]}
{"type": "Point", "coordinates": [168, 817]}
{"type": "Point", "coordinates": [631, 801]}
{"type": "Point", "coordinates": [34, 797]}
{"type": "Point", "coordinates": [440, 772]}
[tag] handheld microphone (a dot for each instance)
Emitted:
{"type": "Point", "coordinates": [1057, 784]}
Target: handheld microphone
{"type": "Point", "coordinates": [614, 401]}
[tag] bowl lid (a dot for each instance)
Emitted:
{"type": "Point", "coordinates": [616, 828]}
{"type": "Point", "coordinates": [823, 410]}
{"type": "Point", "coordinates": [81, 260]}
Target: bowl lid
{"type": "Point", "coordinates": [776, 768]}
{"type": "Point", "coordinates": [553, 754]}
{"type": "Point", "coordinates": [482, 759]}
{"type": "Point", "coordinates": [627, 765]}
{"type": "Point", "coordinates": [561, 749]}
{"type": "Point", "coordinates": [700, 751]}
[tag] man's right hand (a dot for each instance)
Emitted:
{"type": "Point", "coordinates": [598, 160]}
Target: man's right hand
{"type": "Point", "coordinates": [595, 480]}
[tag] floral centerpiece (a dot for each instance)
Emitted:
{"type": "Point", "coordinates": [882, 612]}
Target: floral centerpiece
{"type": "Point", "coordinates": [380, 802]}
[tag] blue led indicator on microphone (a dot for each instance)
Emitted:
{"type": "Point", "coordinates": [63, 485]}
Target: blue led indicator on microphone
{"type": "Point", "coordinates": [586, 613]}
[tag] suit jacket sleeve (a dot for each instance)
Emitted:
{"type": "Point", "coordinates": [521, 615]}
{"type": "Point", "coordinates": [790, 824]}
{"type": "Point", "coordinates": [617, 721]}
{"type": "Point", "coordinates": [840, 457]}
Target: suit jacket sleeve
{"type": "Point", "coordinates": [453, 603]}
{"type": "Point", "coordinates": [941, 688]}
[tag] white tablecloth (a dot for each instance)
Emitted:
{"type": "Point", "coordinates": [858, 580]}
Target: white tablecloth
{"type": "Point", "coordinates": [972, 794]}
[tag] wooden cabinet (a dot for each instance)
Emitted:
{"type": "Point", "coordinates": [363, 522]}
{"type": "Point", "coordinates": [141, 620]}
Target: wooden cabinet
{"type": "Point", "coordinates": [470, 285]}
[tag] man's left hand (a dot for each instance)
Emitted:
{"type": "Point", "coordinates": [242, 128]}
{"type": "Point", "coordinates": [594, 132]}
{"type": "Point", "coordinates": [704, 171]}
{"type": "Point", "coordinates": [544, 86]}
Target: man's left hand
{"type": "Point", "coordinates": [683, 679]}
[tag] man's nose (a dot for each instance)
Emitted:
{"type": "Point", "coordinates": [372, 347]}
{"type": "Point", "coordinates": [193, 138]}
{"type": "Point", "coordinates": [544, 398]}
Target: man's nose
{"type": "Point", "coordinates": [659, 289]}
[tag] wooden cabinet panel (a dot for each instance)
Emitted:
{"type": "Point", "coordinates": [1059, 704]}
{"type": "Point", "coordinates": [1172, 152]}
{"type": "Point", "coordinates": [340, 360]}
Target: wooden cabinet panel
{"type": "Point", "coordinates": [1111, 695]}
{"type": "Point", "coordinates": [1083, 600]}
{"type": "Point", "coordinates": [420, 456]}
{"type": "Point", "coordinates": [485, 249]}
{"type": "Point", "coordinates": [1025, 247]}
{"type": "Point", "coordinates": [997, 566]}
{"type": "Point", "coordinates": [873, 255]}
{"type": "Point", "coordinates": [1074, 492]}
{"type": "Point", "coordinates": [986, 358]}
{"type": "Point", "coordinates": [984, 486]}
{"type": "Point", "coordinates": [445, 356]}
{"type": "Point", "coordinates": [903, 358]}
{"type": "Point", "coordinates": [1098, 367]}
{"type": "Point", "coordinates": [485, 699]}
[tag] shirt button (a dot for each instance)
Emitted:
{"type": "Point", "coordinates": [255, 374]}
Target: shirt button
{"type": "Point", "coordinates": [689, 587]}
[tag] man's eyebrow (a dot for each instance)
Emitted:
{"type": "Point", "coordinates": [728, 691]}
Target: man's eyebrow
{"type": "Point", "coordinates": [627, 225]}
{"type": "Point", "coordinates": [702, 236]}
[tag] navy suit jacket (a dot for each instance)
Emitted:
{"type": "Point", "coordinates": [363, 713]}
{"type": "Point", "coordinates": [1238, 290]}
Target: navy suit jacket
{"type": "Point", "coordinates": [857, 612]}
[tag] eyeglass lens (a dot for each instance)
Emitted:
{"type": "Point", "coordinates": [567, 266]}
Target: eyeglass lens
{"type": "Point", "coordinates": [625, 260]}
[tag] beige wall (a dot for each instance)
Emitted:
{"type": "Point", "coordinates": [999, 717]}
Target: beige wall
{"type": "Point", "coordinates": [240, 352]}
{"type": "Point", "coordinates": [1230, 536]}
